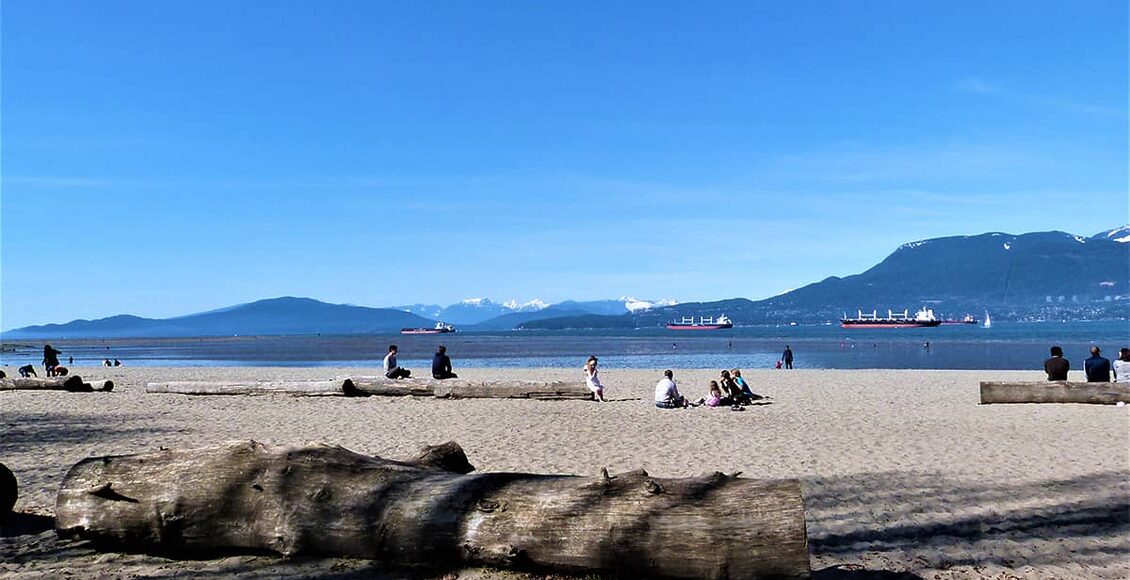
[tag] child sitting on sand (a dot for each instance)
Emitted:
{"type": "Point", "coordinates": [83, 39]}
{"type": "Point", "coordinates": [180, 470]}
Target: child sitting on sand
{"type": "Point", "coordinates": [714, 399]}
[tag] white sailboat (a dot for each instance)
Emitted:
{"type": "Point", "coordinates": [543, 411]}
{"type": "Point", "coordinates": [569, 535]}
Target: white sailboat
{"type": "Point", "coordinates": [988, 323]}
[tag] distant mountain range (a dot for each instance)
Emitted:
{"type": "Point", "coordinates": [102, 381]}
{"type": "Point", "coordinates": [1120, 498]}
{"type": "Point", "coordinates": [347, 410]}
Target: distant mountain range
{"type": "Point", "coordinates": [289, 315]}
{"type": "Point", "coordinates": [474, 311]}
{"type": "Point", "coordinates": [1046, 275]}
{"type": "Point", "coordinates": [1037, 276]}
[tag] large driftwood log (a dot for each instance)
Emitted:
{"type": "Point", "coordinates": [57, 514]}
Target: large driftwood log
{"type": "Point", "coordinates": [1054, 392]}
{"type": "Point", "coordinates": [511, 390]}
{"type": "Point", "coordinates": [366, 386]}
{"type": "Point", "coordinates": [9, 491]}
{"type": "Point", "coordinates": [73, 383]}
{"type": "Point", "coordinates": [308, 388]}
{"type": "Point", "coordinates": [330, 501]}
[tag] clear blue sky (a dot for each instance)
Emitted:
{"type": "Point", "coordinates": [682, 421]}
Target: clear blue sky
{"type": "Point", "coordinates": [163, 158]}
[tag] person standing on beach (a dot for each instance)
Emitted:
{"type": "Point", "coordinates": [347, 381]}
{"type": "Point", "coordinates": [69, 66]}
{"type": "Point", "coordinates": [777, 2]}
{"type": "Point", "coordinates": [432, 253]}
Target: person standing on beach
{"type": "Point", "coordinates": [1057, 366]}
{"type": "Point", "coordinates": [441, 365]}
{"type": "Point", "coordinates": [1122, 366]}
{"type": "Point", "coordinates": [592, 380]}
{"type": "Point", "coordinates": [392, 370]}
{"type": "Point", "coordinates": [50, 359]}
{"type": "Point", "coordinates": [787, 356]}
{"type": "Point", "coordinates": [1097, 368]}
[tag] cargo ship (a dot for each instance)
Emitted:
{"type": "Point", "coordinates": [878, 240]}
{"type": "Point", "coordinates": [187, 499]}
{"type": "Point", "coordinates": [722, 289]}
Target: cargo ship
{"type": "Point", "coordinates": [703, 323]}
{"type": "Point", "coordinates": [923, 318]}
{"type": "Point", "coordinates": [439, 328]}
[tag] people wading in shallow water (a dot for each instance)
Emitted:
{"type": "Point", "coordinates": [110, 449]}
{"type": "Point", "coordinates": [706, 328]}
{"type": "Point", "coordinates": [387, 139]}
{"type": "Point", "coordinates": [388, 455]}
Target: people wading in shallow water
{"type": "Point", "coordinates": [592, 380]}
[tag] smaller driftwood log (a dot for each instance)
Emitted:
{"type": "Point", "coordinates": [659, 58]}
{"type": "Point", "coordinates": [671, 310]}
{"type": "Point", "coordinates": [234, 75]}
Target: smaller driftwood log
{"type": "Point", "coordinates": [73, 383]}
{"type": "Point", "coordinates": [307, 388]}
{"type": "Point", "coordinates": [380, 386]}
{"type": "Point", "coordinates": [1054, 392]}
{"type": "Point", "coordinates": [429, 512]}
{"type": "Point", "coordinates": [9, 491]}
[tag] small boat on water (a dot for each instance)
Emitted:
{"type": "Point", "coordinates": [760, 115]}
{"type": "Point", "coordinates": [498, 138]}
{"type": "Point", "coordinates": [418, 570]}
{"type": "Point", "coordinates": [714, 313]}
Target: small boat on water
{"type": "Point", "coordinates": [703, 323]}
{"type": "Point", "coordinates": [440, 328]}
{"type": "Point", "coordinates": [923, 318]}
{"type": "Point", "coordinates": [967, 319]}
{"type": "Point", "coordinates": [988, 323]}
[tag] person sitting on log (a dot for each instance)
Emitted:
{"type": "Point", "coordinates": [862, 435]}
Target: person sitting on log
{"type": "Point", "coordinates": [392, 370]}
{"type": "Point", "coordinates": [441, 365]}
{"type": "Point", "coordinates": [1121, 367]}
{"type": "Point", "coordinates": [1097, 368]}
{"type": "Point", "coordinates": [1057, 366]}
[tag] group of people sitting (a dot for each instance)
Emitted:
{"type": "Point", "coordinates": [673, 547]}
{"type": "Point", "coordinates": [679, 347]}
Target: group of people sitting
{"type": "Point", "coordinates": [441, 365]}
{"type": "Point", "coordinates": [1098, 369]}
{"type": "Point", "coordinates": [730, 390]}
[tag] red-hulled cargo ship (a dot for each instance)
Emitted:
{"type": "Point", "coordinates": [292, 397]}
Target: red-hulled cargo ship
{"type": "Point", "coordinates": [923, 318]}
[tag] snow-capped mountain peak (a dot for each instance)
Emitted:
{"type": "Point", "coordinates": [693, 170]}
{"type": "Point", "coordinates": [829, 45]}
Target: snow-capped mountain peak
{"type": "Point", "coordinates": [531, 306]}
{"type": "Point", "coordinates": [476, 302]}
{"type": "Point", "coordinates": [636, 305]}
{"type": "Point", "coordinates": [1121, 235]}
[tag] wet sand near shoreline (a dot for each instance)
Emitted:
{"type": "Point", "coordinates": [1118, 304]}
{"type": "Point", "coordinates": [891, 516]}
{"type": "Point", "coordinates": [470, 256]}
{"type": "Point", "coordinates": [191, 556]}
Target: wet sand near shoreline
{"type": "Point", "coordinates": [902, 471]}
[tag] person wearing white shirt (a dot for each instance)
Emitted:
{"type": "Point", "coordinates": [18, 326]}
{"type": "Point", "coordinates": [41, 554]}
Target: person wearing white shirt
{"type": "Point", "coordinates": [392, 370]}
{"type": "Point", "coordinates": [667, 393]}
{"type": "Point", "coordinates": [1122, 366]}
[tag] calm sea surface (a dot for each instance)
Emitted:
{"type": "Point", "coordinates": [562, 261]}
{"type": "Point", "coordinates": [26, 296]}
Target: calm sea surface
{"type": "Point", "coordinates": [1005, 346]}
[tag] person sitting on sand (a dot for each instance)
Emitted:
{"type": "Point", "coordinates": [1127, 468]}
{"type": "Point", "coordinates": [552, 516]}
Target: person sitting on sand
{"type": "Point", "coordinates": [441, 365]}
{"type": "Point", "coordinates": [667, 394]}
{"type": "Point", "coordinates": [392, 370]}
{"type": "Point", "coordinates": [1097, 368]}
{"type": "Point", "coordinates": [732, 394]}
{"type": "Point", "coordinates": [744, 386]}
{"type": "Point", "coordinates": [714, 398]}
{"type": "Point", "coordinates": [1122, 366]}
{"type": "Point", "coordinates": [1057, 366]}
{"type": "Point", "coordinates": [592, 380]}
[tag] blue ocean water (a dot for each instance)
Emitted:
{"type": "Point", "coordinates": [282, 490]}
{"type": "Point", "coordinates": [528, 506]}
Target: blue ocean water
{"type": "Point", "coordinates": [1005, 346]}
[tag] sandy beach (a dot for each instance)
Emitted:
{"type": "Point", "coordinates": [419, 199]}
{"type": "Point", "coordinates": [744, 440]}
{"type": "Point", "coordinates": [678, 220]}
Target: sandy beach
{"type": "Point", "coordinates": [902, 471]}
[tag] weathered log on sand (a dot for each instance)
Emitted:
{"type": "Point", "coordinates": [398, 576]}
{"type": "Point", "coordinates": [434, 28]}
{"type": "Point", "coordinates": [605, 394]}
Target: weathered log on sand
{"type": "Point", "coordinates": [73, 383]}
{"type": "Point", "coordinates": [9, 491]}
{"type": "Point", "coordinates": [1054, 392]}
{"type": "Point", "coordinates": [511, 390]}
{"type": "Point", "coordinates": [365, 386]}
{"type": "Point", "coordinates": [465, 389]}
{"type": "Point", "coordinates": [310, 388]}
{"type": "Point", "coordinates": [331, 501]}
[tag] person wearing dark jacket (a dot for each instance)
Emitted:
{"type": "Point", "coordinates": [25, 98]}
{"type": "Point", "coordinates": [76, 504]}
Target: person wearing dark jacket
{"type": "Point", "coordinates": [441, 365]}
{"type": "Point", "coordinates": [50, 359]}
{"type": "Point", "coordinates": [1097, 368]}
{"type": "Point", "coordinates": [1057, 366]}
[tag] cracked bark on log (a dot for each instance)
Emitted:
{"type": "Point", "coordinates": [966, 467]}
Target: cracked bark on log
{"type": "Point", "coordinates": [331, 501]}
